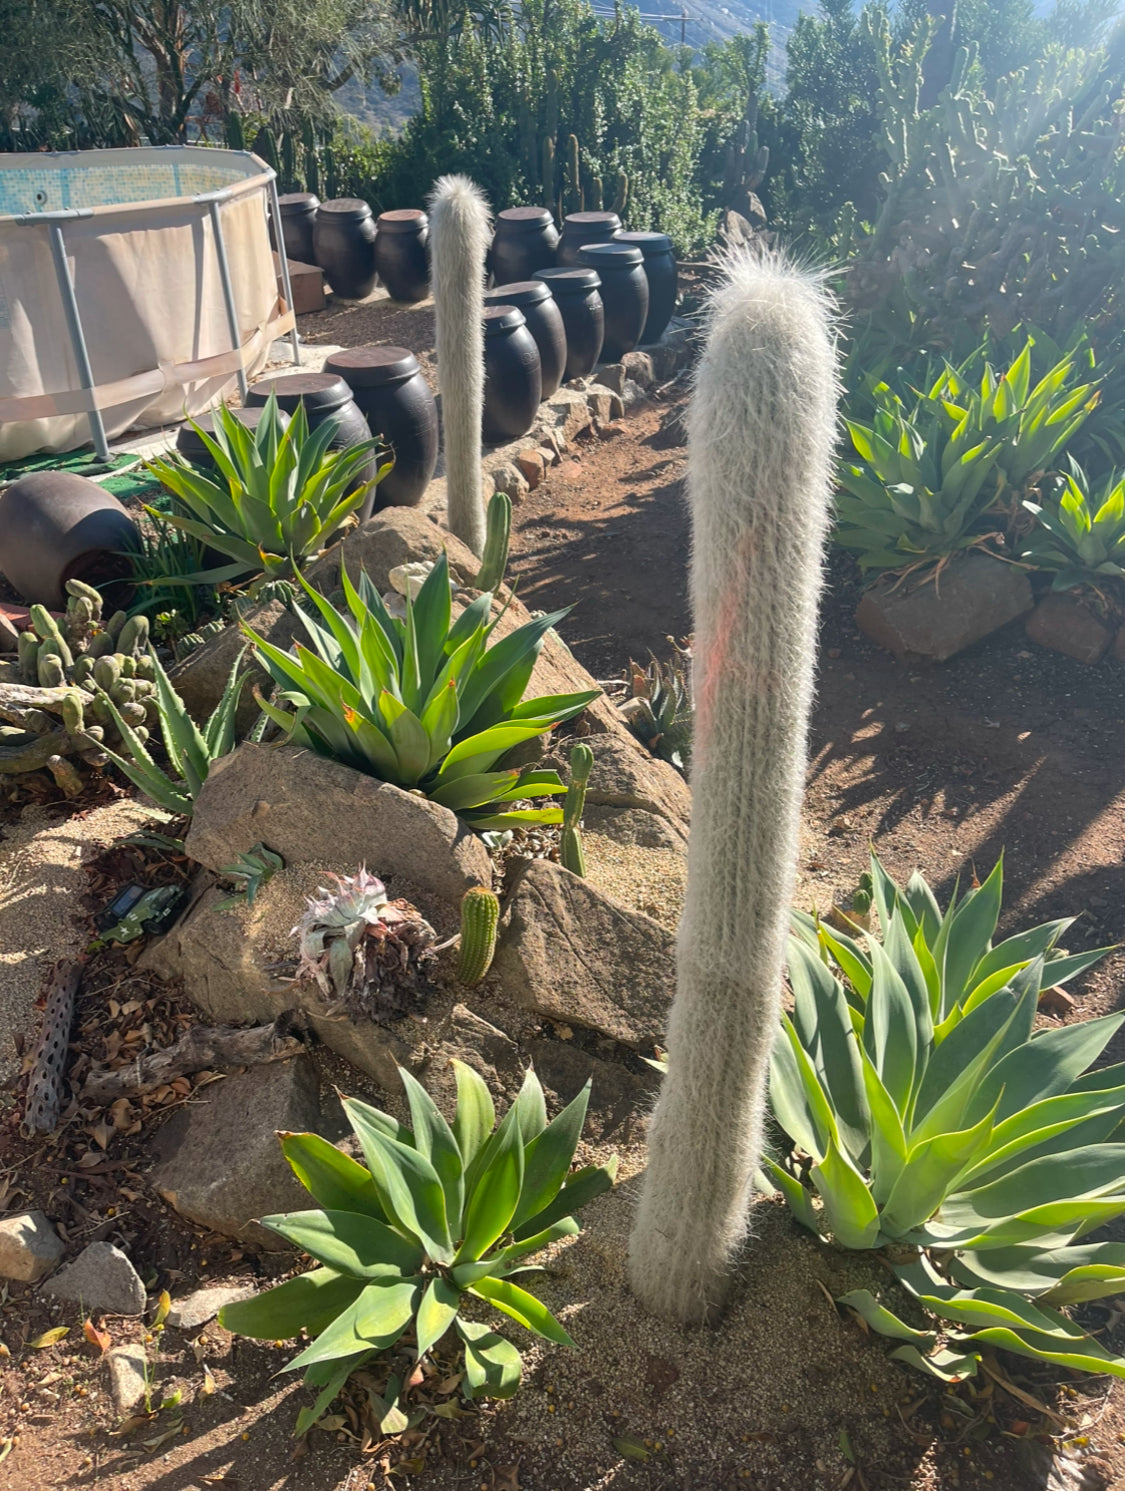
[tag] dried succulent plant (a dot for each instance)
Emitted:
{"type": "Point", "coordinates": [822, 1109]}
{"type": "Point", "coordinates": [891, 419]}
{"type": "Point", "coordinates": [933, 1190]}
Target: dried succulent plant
{"type": "Point", "coordinates": [368, 955]}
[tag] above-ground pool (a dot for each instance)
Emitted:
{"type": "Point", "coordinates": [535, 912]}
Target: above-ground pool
{"type": "Point", "coordinates": [135, 287]}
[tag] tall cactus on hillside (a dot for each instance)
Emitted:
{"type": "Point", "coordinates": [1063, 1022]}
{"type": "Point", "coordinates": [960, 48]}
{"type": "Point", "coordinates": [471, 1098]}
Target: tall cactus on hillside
{"type": "Point", "coordinates": [459, 239]}
{"type": "Point", "coordinates": [761, 432]}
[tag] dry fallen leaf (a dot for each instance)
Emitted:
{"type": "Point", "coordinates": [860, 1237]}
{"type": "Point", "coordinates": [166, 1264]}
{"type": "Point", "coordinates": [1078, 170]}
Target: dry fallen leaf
{"type": "Point", "coordinates": [49, 1338]}
{"type": "Point", "coordinates": [99, 1338]}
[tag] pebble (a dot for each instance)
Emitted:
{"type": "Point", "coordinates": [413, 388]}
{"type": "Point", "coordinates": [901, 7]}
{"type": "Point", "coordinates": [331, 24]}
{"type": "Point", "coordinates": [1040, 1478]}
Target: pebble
{"type": "Point", "coordinates": [100, 1278]}
{"type": "Point", "coordinates": [127, 1367]}
{"type": "Point", "coordinates": [29, 1247]}
{"type": "Point", "coordinates": [197, 1309]}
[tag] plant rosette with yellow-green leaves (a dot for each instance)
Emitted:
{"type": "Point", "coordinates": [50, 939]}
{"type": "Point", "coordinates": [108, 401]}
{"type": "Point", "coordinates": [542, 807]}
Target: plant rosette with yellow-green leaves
{"type": "Point", "coordinates": [439, 1216]}
{"type": "Point", "coordinates": [929, 1117]}
{"type": "Point", "coordinates": [278, 494]}
{"type": "Point", "coordinates": [423, 702]}
{"type": "Point", "coordinates": [1079, 533]}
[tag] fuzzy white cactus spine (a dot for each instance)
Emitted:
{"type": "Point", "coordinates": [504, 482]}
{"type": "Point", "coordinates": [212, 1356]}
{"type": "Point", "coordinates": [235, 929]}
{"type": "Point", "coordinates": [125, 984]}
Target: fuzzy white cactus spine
{"type": "Point", "coordinates": [761, 433]}
{"type": "Point", "coordinates": [460, 231]}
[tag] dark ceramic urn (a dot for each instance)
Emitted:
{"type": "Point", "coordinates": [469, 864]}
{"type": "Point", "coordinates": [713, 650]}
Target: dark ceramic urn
{"type": "Point", "coordinates": [388, 386]}
{"type": "Point", "coordinates": [525, 241]}
{"type": "Point", "coordinates": [298, 218]}
{"type": "Point", "coordinates": [576, 294]}
{"type": "Point", "coordinates": [512, 377]}
{"type": "Point", "coordinates": [57, 526]}
{"type": "Point", "coordinates": [344, 244]}
{"type": "Point", "coordinates": [581, 228]}
{"type": "Point", "coordinates": [325, 396]}
{"type": "Point", "coordinates": [660, 272]}
{"type": "Point", "coordinates": [544, 321]}
{"type": "Point", "coordinates": [624, 292]}
{"type": "Point", "coordinates": [400, 254]}
{"type": "Point", "coordinates": [190, 445]}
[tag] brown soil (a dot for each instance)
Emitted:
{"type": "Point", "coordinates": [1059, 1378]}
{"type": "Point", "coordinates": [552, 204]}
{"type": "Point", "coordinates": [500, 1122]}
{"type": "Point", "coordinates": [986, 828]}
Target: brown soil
{"type": "Point", "coordinates": [1007, 748]}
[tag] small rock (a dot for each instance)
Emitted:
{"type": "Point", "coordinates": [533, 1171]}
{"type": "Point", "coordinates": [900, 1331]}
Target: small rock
{"type": "Point", "coordinates": [100, 1278]}
{"type": "Point", "coordinates": [626, 776]}
{"type": "Point", "coordinates": [128, 1376]}
{"type": "Point", "coordinates": [605, 406]}
{"type": "Point", "coordinates": [974, 595]}
{"type": "Point", "coordinates": [1056, 1001]}
{"type": "Point", "coordinates": [638, 366]}
{"type": "Point", "coordinates": [9, 634]}
{"type": "Point", "coordinates": [567, 413]}
{"type": "Point", "coordinates": [1064, 624]}
{"type": "Point", "coordinates": [672, 432]}
{"type": "Point", "coordinates": [550, 455]}
{"type": "Point", "coordinates": [574, 954]}
{"type": "Point", "coordinates": [532, 467]}
{"type": "Point", "coordinates": [219, 1161]}
{"type": "Point", "coordinates": [633, 394]}
{"type": "Point", "coordinates": [197, 1309]}
{"type": "Point", "coordinates": [29, 1247]}
{"type": "Point", "coordinates": [510, 479]}
{"type": "Point", "coordinates": [612, 375]}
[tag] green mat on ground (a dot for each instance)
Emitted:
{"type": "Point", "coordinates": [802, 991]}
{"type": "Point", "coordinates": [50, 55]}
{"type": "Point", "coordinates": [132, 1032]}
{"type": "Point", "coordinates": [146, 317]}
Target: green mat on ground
{"type": "Point", "coordinates": [134, 484]}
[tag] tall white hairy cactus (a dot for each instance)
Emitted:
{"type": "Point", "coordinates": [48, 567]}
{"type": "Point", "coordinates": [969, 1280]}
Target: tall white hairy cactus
{"type": "Point", "coordinates": [760, 437]}
{"type": "Point", "coordinates": [460, 230]}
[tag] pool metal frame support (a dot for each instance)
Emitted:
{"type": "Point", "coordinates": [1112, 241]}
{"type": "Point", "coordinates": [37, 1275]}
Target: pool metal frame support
{"type": "Point", "coordinates": [214, 201]}
{"type": "Point", "coordinates": [55, 222]}
{"type": "Point", "coordinates": [283, 260]}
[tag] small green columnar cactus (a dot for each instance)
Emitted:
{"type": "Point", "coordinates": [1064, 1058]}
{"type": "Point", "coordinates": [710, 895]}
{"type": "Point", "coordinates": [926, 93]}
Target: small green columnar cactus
{"type": "Point", "coordinates": [480, 924]}
{"type": "Point", "coordinates": [498, 533]}
{"type": "Point", "coordinates": [575, 201]}
{"type": "Point", "coordinates": [620, 195]}
{"type": "Point", "coordinates": [570, 848]}
{"type": "Point", "coordinates": [760, 476]}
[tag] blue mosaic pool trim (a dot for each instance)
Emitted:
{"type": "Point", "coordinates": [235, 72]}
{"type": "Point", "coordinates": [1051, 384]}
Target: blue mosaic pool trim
{"type": "Point", "coordinates": [31, 188]}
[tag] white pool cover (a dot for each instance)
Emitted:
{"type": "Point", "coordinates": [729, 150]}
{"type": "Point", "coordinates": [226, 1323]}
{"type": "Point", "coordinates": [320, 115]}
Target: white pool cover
{"type": "Point", "coordinates": [136, 286]}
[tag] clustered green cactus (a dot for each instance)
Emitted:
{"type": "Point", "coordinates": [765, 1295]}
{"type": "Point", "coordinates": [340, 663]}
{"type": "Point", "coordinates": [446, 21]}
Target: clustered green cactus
{"type": "Point", "coordinates": [70, 670]}
{"type": "Point", "coordinates": [480, 925]}
{"type": "Point", "coordinates": [542, 149]}
{"type": "Point", "coordinates": [497, 536]}
{"type": "Point", "coordinates": [570, 847]}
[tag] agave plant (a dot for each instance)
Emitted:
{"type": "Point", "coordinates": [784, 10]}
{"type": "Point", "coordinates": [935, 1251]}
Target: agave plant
{"type": "Point", "coordinates": [278, 494]}
{"type": "Point", "coordinates": [925, 1112]}
{"type": "Point", "coordinates": [435, 1218]}
{"type": "Point", "coordinates": [1078, 534]}
{"type": "Point", "coordinates": [364, 951]}
{"type": "Point", "coordinates": [424, 702]}
{"type": "Point", "coordinates": [658, 708]}
{"type": "Point", "coordinates": [190, 749]}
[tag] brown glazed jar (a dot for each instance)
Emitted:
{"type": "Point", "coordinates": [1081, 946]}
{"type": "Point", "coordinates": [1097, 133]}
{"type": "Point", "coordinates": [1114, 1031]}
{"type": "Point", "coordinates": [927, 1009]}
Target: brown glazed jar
{"type": "Point", "coordinates": [544, 321]}
{"type": "Point", "coordinates": [344, 244]}
{"type": "Point", "coordinates": [512, 378]}
{"type": "Point", "coordinates": [624, 292]}
{"type": "Point", "coordinates": [192, 448]}
{"type": "Point", "coordinates": [525, 241]}
{"type": "Point", "coordinates": [576, 295]}
{"type": "Point", "coordinates": [396, 401]}
{"type": "Point", "coordinates": [400, 254]}
{"type": "Point", "coordinates": [660, 271]}
{"type": "Point", "coordinates": [325, 396]}
{"type": "Point", "coordinates": [298, 218]}
{"type": "Point", "coordinates": [57, 526]}
{"type": "Point", "coordinates": [580, 228]}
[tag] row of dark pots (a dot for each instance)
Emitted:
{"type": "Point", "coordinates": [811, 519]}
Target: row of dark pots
{"type": "Point", "coordinates": [354, 248]}
{"type": "Point", "coordinates": [526, 243]}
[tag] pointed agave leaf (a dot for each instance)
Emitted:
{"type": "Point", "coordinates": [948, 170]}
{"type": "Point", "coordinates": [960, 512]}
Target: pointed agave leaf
{"type": "Point", "coordinates": [929, 1172]}
{"type": "Point", "coordinates": [970, 933]}
{"type": "Point", "coordinates": [308, 1302]}
{"type": "Point", "coordinates": [363, 1116]}
{"type": "Point", "coordinates": [492, 1365]}
{"type": "Point", "coordinates": [1047, 1064]}
{"type": "Point", "coordinates": [1043, 1273]}
{"type": "Point", "coordinates": [567, 1227]}
{"type": "Point", "coordinates": [848, 1204]}
{"type": "Point", "coordinates": [523, 1308]}
{"type": "Point", "coordinates": [495, 1190]}
{"type": "Point", "coordinates": [888, 1139]}
{"type": "Point", "coordinates": [945, 1365]}
{"type": "Point", "coordinates": [548, 1158]}
{"type": "Point", "coordinates": [884, 1321]}
{"type": "Point", "coordinates": [531, 1106]}
{"type": "Point", "coordinates": [582, 1187]}
{"type": "Point", "coordinates": [476, 1114]}
{"type": "Point", "coordinates": [825, 1030]}
{"type": "Point", "coordinates": [331, 1177]}
{"type": "Point", "coordinates": [436, 1313]}
{"type": "Point", "coordinates": [890, 1034]}
{"type": "Point", "coordinates": [796, 1097]}
{"type": "Point", "coordinates": [1084, 1356]}
{"type": "Point", "coordinates": [409, 1189]}
{"type": "Point", "coordinates": [330, 1378]}
{"type": "Point", "coordinates": [349, 1243]}
{"type": "Point", "coordinates": [796, 1196]}
{"type": "Point", "coordinates": [380, 1314]}
{"type": "Point", "coordinates": [951, 1093]}
{"type": "Point", "coordinates": [434, 1139]}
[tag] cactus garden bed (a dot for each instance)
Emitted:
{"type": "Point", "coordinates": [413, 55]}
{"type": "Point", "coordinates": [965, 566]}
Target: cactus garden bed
{"type": "Point", "coordinates": [942, 770]}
